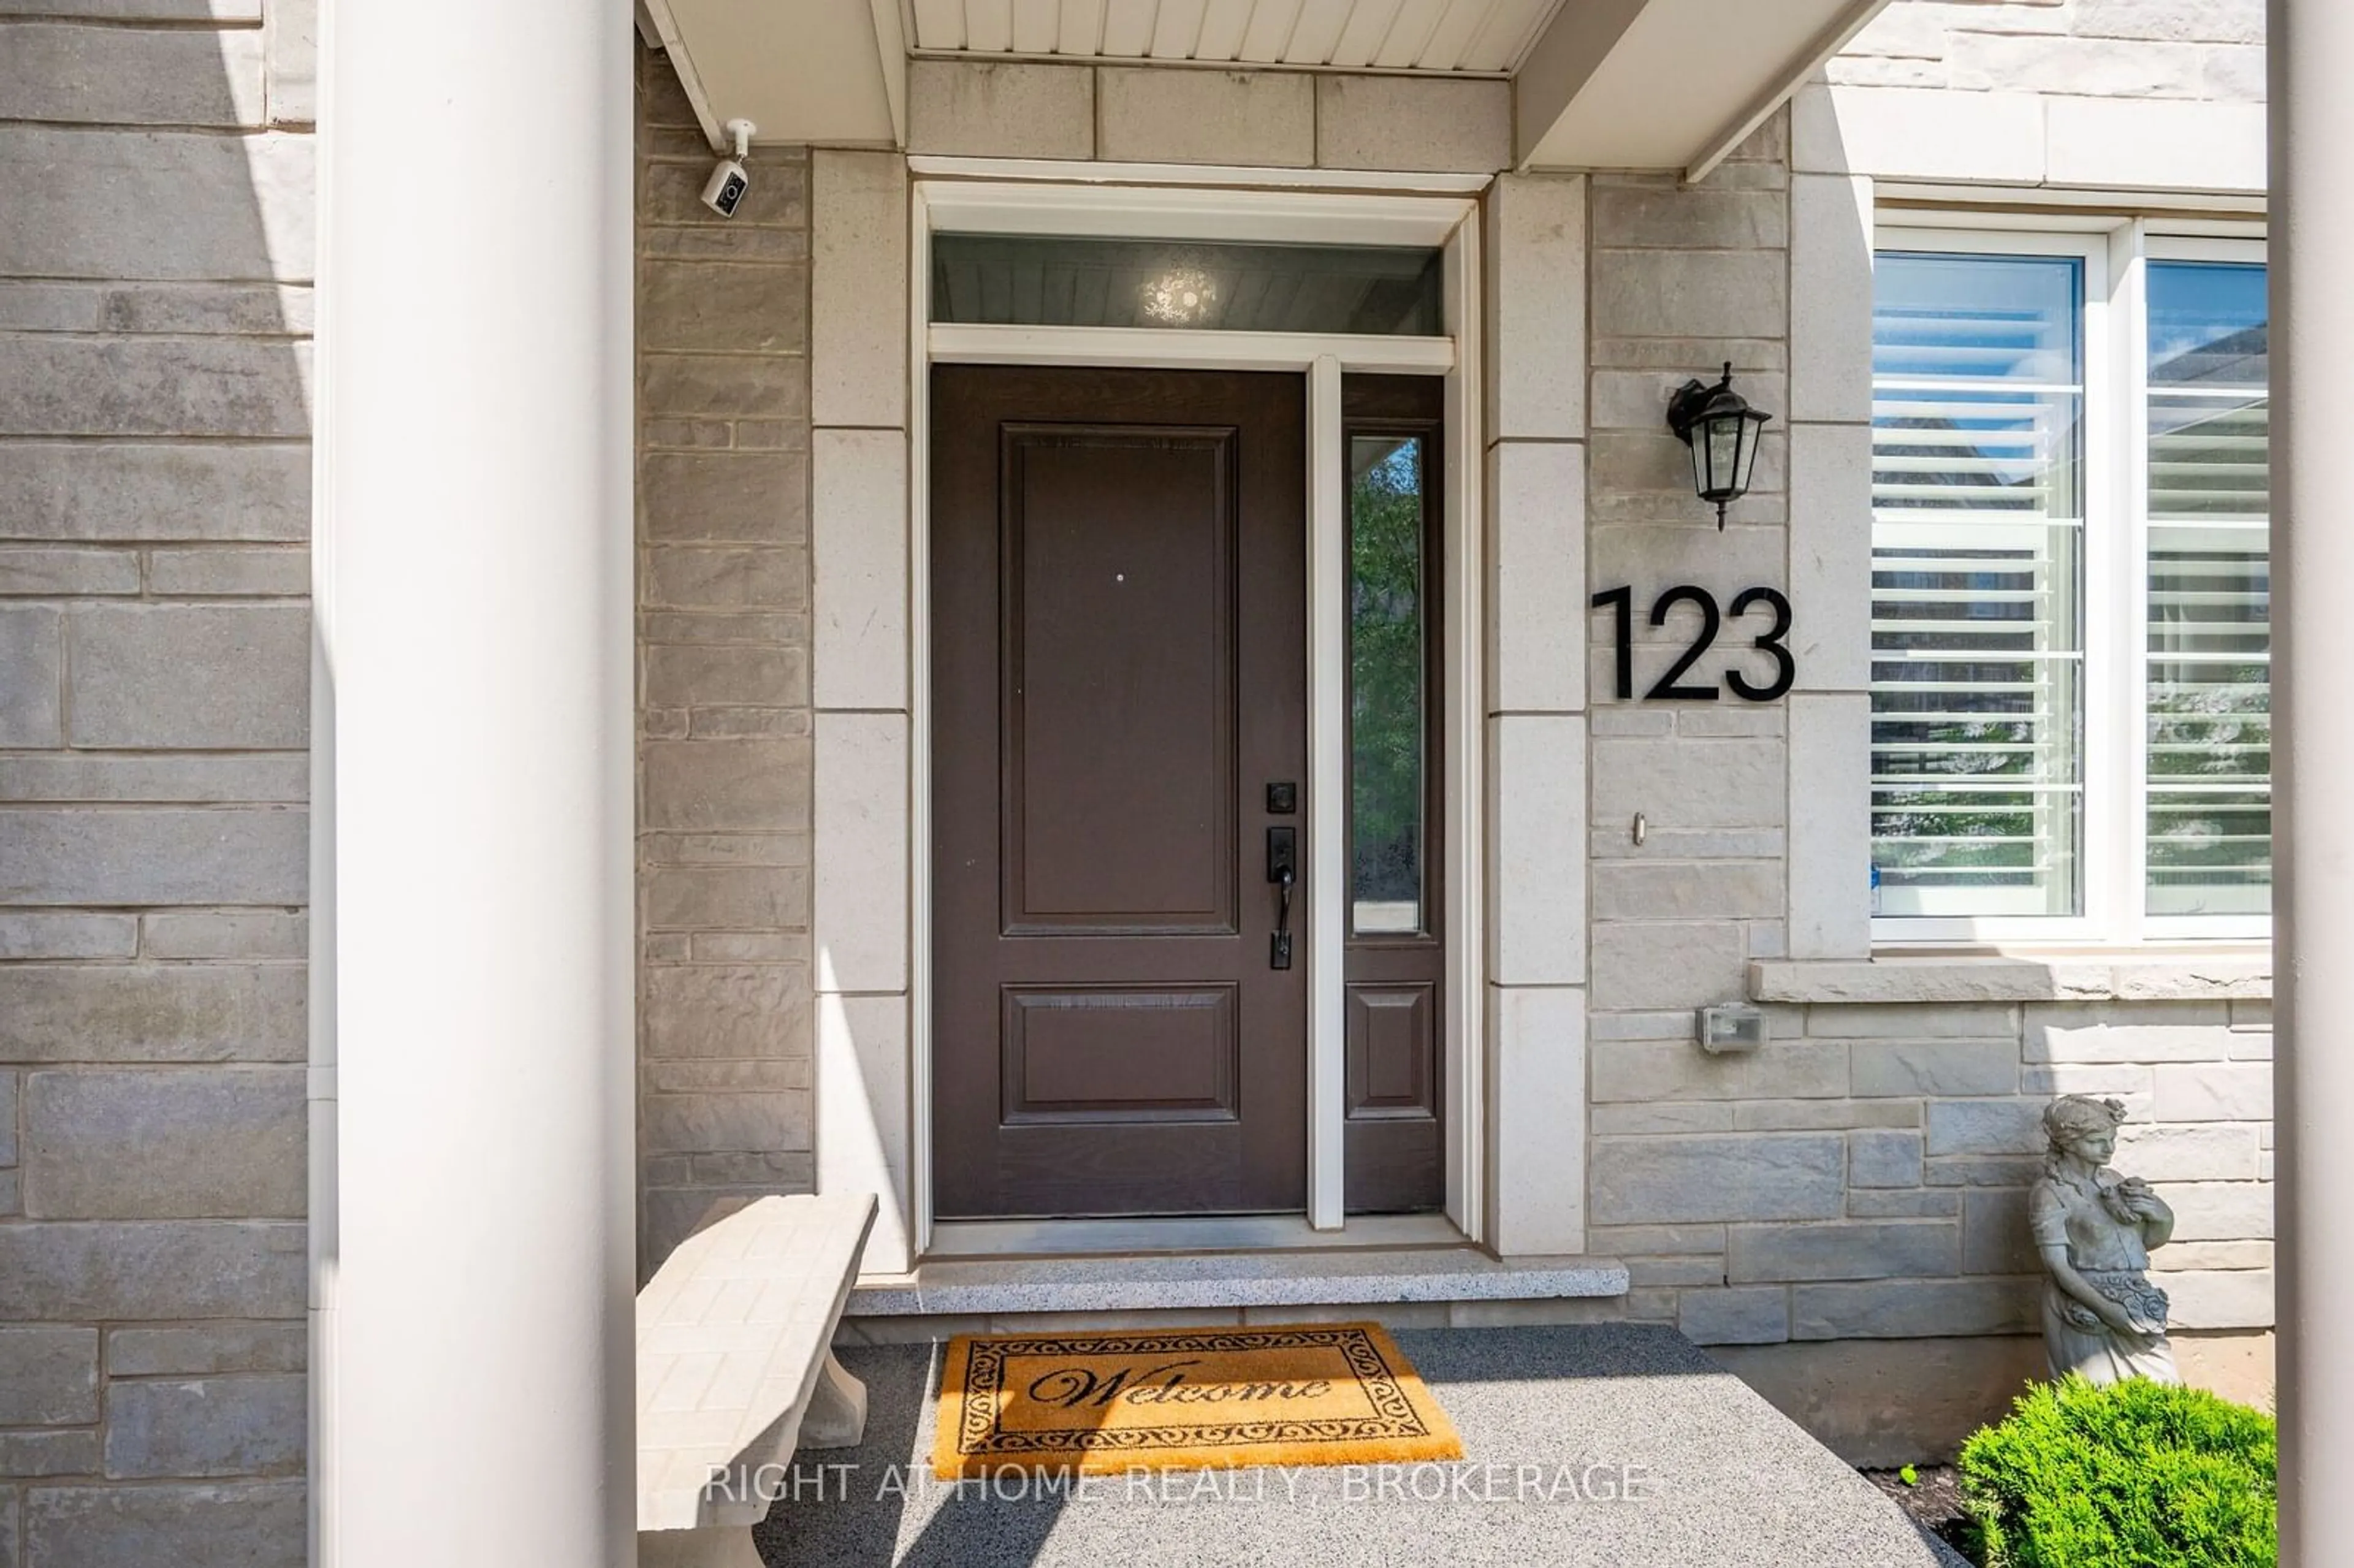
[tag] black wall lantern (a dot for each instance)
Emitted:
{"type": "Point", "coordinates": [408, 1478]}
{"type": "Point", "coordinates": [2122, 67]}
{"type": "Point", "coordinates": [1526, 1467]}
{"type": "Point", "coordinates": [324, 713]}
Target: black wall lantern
{"type": "Point", "coordinates": [1723, 431]}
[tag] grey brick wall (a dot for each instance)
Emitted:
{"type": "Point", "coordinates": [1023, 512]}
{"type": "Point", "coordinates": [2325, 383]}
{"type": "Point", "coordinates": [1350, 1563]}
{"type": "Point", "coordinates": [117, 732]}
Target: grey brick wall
{"type": "Point", "coordinates": [155, 262]}
{"type": "Point", "coordinates": [1865, 1175]}
{"type": "Point", "coordinates": [724, 791]}
{"type": "Point", "coordinates": [2207, 50]}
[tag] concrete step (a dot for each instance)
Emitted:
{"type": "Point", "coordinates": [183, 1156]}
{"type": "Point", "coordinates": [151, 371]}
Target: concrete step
{"type": "Point", "coordinates": [1319, 1276]}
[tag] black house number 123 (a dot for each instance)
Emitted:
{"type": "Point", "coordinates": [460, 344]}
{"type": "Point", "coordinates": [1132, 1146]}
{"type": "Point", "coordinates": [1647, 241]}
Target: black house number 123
{"type": "Point", "coordinates": [1670, 687]}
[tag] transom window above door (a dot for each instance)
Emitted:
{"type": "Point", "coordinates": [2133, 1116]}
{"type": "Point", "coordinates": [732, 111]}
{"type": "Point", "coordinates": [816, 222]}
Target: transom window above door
{"type": "Point", "coordinates": [2070, 587]}
{"type": "Point", "coordinates": [1027, 280]}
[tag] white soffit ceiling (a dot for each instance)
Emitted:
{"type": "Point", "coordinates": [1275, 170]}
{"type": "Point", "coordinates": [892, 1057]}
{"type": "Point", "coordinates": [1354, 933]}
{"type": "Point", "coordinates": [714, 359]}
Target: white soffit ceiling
{"type": "Point", "coordinates": [802, 70]}
{"type": "Point", "coordinates": [1486, 36]}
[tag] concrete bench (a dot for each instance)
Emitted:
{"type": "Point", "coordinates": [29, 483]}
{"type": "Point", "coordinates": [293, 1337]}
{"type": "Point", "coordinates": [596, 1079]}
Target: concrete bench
{"type": "Point", "coordinates": [736, 1372]}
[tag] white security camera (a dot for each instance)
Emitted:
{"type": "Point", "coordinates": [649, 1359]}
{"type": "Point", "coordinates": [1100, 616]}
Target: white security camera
{"type": "Point", "coordinates": [723, 193]}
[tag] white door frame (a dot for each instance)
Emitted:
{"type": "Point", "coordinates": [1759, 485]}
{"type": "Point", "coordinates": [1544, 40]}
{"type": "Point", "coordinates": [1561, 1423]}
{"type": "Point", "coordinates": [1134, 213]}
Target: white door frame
{"type": "Point", "coordinates": [1175, 212]}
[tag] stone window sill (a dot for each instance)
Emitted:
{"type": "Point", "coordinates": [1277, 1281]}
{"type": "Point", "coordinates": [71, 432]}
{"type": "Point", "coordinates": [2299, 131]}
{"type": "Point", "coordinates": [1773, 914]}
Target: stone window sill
{"type": "Point", "coordinates": [2234, 973]}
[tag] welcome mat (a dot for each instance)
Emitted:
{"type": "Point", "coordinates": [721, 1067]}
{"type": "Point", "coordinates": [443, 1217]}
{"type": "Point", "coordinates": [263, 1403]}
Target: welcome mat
{"type": "Point", "coordinates": [1323, 1393]}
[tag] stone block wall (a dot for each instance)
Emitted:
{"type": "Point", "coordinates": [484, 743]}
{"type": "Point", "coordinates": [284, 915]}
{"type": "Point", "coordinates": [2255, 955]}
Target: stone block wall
{"type": "Point", "coordinates": [724, 1009]}
{"type": "Point", "coordinates": [1683, 279]}
{"type": "Point", "coordinates": [1864, 1176]}
{"type": "Point", "coordinates": [1237, 119]}
{"type": "Point", "coordinates": [2209, 50]}
{"type": "Point", "coordinates": [2133, 95]}
{"type": "Point", "coordinates": [155, 268]}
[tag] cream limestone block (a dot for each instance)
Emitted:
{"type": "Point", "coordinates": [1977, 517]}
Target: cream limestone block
{"type": "Point", "coordinates": [2215, 1298]}
{"type": "Point", "coordinates": [858, 288]}
{"type": "Point", "coordinates": [1711, 1178]}
{"type": "Point", "coordinates": [1244, 117]}
{"type": "Point", "coordinates": [1688, 784]}
{"type": "Point", "coordinates": [1888, 1249]}
{"type": "Point", "coordinates": [1536, 877]}
{"type": "Point", "coordinates": [1830, 555]}
{"type": "Point", "coordinates": [1536, 306]}
{"type": "Point", "coordinates": [1001, 111]}
{"type": "Point", "coordinates": [2153, 145]}
{"type": "Point", "coordinates": [208, 205]}
{"type": "Point", "coordinates": [863, 1131]}
{"type": "Point", "coordinates": [1830, 826]}
{"type": "Point", "coordinates": [1537, 1091]}
{"type": "Point", "coordinates": [1750, 1314]}
{"type": "Point", "coordinates": [1413, 123]}
{"type": "Point", "coordinates": [291, 45]}
{"type": "Point", "coordinates": [2220, 1211]}
{"type": "Point", "coordinates": [1830, 298]}
{"type": "Point", "coordinates": [131, 76]}
{"type": "Point", "coordinates": [860, 934]}
{"type": "Point", "coordinates": [858, 525]}
{"type": "Point", "coordinates": [2220, 1091]}
{"type": "Point", "coordinates": [1923, 133]}
{"type": "Point", "coordinates": [2199, 1151]}
{"type": "Point", "coordinates": [1704, 293]}
{"type": "Point", "coordinates": [1667, 965]}
{"type": "Point", "coordinates": [1536, 575]}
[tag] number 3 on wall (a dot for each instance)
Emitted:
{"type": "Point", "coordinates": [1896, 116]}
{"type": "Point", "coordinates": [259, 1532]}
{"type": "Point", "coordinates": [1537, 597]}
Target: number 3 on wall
{"type": "Point", "coordinates": [1668, 687]}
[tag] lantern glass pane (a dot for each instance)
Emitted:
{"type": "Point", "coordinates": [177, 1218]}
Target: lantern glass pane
{"type": "Point", "coordinates": [1723, 443]}
{"type": "Point", "coordinates": [1753, 434]}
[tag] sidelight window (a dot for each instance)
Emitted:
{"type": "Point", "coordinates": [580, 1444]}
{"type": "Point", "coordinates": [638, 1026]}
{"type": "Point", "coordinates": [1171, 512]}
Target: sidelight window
{"type": "Point", "coordinates": [2070, 646]}
{"type": "Point", "coordinates": [1389, 659]}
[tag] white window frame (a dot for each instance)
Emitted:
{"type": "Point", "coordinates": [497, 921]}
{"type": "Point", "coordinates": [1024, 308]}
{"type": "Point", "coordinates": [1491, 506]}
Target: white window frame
{"type": "Point", "coordinates": [2115, 621]}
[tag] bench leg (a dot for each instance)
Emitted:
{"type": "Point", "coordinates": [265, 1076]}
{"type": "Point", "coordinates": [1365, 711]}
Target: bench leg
{"type": "Point", "coordinates": [714, 1546]}
{"type": "Point", "coordinates": [837, 1416]}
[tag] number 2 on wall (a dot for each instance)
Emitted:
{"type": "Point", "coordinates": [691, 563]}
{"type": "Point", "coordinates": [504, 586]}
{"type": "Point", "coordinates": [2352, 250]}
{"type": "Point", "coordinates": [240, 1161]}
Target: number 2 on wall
{"type": "Point", "coordinates": [1620, 602]}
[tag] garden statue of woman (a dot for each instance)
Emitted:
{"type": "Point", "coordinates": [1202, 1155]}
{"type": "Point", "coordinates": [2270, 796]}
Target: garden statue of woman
{"type": "Point", "coordinates": [2102, 1317]}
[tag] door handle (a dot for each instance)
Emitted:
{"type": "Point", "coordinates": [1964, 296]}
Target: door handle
{"type": "Point", "coordinates": [1283, 870]}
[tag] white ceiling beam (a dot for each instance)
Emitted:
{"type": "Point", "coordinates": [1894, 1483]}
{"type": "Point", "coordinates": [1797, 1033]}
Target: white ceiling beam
{"type": "Point", "coordinates": [891, 53]}
{"type": "Point", "coordinates": [1562, 62]}
{"type": "Point", "coordinates": [1830, 41]}
{"type": "Point", "coordinates": [1668, 84]}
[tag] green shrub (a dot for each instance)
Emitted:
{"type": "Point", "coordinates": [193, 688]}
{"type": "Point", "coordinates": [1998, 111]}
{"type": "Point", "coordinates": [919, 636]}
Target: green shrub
{"type": "Point", "coordinates": [2139, 1475]}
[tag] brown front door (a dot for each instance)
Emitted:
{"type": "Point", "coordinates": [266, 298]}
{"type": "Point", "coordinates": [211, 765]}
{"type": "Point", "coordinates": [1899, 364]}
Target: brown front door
{"type": "Point", "coordinates": [1119, 677]}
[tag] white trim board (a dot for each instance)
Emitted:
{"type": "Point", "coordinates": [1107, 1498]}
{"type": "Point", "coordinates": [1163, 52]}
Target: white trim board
{"type": "Point", "coordinates": [1450, 223]}
{"type": "Point", "coordinates": [939, 165]}
{"type": "Point", "coordinates": [1171, 212]}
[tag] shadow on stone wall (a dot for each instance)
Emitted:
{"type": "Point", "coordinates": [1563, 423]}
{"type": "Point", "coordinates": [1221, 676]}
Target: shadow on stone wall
{"type": "Point", "coordinates": [155, 268]}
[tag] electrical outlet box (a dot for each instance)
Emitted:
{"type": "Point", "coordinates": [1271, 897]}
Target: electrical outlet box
{"type": "Point", "coordinates": [1733, 1027]}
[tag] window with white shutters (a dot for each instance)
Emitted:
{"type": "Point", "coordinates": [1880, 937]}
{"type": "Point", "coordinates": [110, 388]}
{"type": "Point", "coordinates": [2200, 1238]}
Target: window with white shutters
{"type": "Point", "coordinates": [2069, 586]}
{"type": "Point", "coordinates": [1977, 584]}
{"type": "Point", "coordinates": [2210, 694]}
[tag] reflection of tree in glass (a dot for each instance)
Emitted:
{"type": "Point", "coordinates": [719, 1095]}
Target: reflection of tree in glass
{"type": "Point", "coordinates": [1385, 666]}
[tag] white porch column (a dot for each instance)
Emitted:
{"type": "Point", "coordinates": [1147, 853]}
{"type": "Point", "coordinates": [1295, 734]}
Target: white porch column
{"type": "Point", "coordinates": [472, 1276]}
{"type": "Point", "coordinates": [2311, 44]}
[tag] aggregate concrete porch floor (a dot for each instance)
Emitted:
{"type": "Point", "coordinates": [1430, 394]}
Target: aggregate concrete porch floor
{"type": "Point", "coordinates": [1554, 1421]}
